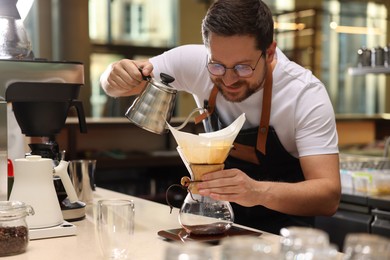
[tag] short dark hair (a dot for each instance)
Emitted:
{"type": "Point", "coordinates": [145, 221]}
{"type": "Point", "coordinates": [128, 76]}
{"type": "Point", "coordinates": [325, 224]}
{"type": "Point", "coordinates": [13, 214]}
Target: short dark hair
{"type": "Point", "coordinates": [239, 17]}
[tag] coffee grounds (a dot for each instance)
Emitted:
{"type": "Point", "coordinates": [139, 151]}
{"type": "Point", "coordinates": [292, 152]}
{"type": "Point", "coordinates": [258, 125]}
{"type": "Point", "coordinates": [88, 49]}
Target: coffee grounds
{"type": "Point", "coordinates": [13, 240]}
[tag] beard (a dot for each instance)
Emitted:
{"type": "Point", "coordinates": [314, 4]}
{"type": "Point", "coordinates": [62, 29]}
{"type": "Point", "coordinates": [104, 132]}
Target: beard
{"type": "Point", "coordinates": [246, 89]}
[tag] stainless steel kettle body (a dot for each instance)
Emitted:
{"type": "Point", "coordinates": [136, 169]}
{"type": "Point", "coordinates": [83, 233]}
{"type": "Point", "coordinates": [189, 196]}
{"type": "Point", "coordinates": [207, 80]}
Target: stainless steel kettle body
{"type": "Point", "coordinates": [154, 107]}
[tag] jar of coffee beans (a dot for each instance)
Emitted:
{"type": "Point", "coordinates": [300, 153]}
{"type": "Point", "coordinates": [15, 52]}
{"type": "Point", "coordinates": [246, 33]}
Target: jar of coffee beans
{"type": "Point", "coordinates": [14, 235]}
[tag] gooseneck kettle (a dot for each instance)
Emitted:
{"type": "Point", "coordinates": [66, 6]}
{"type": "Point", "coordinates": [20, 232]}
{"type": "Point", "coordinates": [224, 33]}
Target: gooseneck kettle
{"type": "Point", "coordinates": [155, 105]}
{"type": "Point", "coordinates": [33, 185]}
{"type": "Point", "coordinates": [153, 109]}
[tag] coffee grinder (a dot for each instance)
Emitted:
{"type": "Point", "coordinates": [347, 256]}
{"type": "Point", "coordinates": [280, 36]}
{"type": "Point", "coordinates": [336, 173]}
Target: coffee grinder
{"type": "Point", "coordinates": [41, 93]}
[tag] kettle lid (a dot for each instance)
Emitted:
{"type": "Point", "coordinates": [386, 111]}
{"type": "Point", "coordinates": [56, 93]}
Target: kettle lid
{"type": "Point", "coordinates": [32, 158]}
{"type": "Point", "coordinates": [164, 83]}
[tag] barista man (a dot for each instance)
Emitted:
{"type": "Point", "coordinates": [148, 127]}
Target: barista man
{"type": "Point", "coordinates": [284, 168]}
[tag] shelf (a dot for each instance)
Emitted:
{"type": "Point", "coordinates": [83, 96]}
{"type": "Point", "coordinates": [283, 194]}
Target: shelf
{"type": "Point", "coordinates": [356, 71]}
{"type": "Point", "coordinates": [143, 160]}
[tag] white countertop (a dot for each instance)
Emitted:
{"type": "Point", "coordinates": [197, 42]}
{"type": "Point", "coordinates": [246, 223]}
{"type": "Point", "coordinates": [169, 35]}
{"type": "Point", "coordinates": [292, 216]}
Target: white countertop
{"type": "Point", "coordinates": [150, 217]}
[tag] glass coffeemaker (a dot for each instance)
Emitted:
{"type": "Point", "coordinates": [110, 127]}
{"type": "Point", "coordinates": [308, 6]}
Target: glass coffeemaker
{"type": "Point", "coordinates": [204, 153]}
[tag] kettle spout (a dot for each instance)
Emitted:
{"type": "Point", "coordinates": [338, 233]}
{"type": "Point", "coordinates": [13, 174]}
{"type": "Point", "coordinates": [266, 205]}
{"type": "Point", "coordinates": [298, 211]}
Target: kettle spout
{"type": "Point", "coordinates": [197, 109]}
{"type": "Point", "coordinates": [62, 171]}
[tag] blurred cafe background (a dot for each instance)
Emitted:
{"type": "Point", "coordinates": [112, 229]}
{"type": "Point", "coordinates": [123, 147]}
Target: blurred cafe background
{"type": "Point", "coordinates": [346, 43]}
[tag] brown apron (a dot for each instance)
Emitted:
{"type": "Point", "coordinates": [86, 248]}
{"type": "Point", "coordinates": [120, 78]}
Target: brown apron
{"type": "Point", "coordinates": [259, 153]}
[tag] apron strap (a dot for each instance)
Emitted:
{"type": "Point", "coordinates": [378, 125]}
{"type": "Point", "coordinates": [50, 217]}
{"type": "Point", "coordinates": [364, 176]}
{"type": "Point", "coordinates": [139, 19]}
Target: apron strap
{"type": "Point", "coordinates": [244, 152]}
{"type": "Point", "coordinates": [265, 112]}
{"type": "Point", "coordinates": [211, 106]}
{"type": "Point", "coordinates": [248, 152]}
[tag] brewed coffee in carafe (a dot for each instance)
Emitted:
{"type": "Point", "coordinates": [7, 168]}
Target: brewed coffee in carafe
{"type": "Point", "coordinates": [204, 153]}
{"type": "Point", "coordinates": [202, 215]}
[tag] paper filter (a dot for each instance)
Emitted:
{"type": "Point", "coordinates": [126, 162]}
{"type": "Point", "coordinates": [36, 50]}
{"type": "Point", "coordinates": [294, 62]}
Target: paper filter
{"type": "Point", "coordinates": [208, 148]}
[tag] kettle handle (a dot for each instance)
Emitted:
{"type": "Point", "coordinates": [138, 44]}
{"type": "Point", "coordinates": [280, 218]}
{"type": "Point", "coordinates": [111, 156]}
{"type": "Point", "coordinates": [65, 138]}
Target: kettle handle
{"type": "Point", "coordinates": [147, 78]}
{"type": "Point", "coordinates": [165, 78]}
{"type": "Point", "coordinates": [62, 171]}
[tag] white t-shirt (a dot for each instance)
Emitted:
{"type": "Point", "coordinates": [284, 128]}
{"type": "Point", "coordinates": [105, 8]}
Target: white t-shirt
{"type": "Point", "coordinates": [301, 113]}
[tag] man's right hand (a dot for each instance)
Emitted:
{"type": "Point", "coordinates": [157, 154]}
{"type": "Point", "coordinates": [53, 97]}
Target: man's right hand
{"type": "Point", "coordinates": [124, 78]}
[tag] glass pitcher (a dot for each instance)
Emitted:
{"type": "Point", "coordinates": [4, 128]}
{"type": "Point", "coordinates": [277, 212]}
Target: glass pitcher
{"type": "Point", "coordinates": [201, 154]}
{"type": "Point", "coordinates": [201, 215]}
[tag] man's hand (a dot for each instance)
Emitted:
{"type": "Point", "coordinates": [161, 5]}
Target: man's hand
{"type": "Point", "coordinates": [230, 185]}
{"type": "Point", "coordinates": [124, 77]}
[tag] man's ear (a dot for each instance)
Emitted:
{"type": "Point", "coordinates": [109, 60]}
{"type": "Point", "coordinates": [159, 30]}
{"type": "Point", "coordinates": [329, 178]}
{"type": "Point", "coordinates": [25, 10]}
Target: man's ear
{"type": "Point", "coordinates": [271, 52]}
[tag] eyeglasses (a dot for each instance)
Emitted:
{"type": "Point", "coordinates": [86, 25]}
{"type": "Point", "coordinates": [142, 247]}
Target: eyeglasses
{"type": "Point", "coordinates": [242, 70]}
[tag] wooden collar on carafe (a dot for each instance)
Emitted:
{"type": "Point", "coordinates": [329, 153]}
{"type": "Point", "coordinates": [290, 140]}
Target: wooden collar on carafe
{"type": "Point", "coordinates": [265, 112]}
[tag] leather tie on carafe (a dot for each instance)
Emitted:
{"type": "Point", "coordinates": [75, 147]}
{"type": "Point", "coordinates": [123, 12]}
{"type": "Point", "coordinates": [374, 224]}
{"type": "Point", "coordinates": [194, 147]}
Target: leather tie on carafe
{"type": "Point", "coordinates": [241, 151]}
